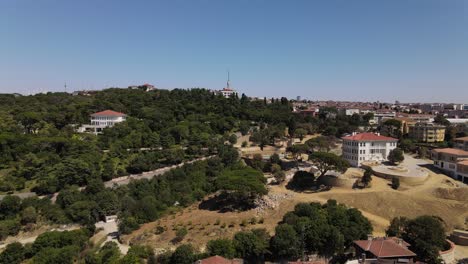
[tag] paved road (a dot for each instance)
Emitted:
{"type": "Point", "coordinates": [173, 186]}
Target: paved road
{"type": "Point", "coordinates": [31, 238]}
{"type": "Point", "coordinates": [20, 195]}
{"type": "Point", "coordinates": [124, 180]}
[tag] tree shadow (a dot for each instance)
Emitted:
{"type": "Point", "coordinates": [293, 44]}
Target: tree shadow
{"type": "Point", "coordinates": [223, 203]}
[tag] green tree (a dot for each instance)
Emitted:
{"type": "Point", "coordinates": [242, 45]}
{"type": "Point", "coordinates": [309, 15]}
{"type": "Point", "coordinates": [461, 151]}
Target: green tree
{"type": "Point", "coordinates": [14, 253]}
{"type": "Point", "coordinates": [396, 156]}
{"type": "Point", "coordinates": [395, 183]}
{"type": "Point", "coordinates": [280, 176]}
{"type": "Point", "coordinates": [426, 235]}
{"type": "Point", "coordinates": [321, 143]}
{"type": "Point", "coordinates": [184, 254]}
{"type": "Point", "coordinates": [242, 186]}
{"type": "Point", "coordinates": [233, 139]}
{"type": "Point", "coordinates": [328, 161]}
{"type": "Point", "coordinates": [441, 120]}
{"type": "Point", "coordinates": [286, 243]}
{"type": "Point", "coordinates": [367, 177]}
{"type": "Point", "coordinates": [300, 133]}
{"type": "Point", "coordinates": [397, 226]}
{"type": "Point", "coordinates": [251, 245]}
{"type": "Point", "coordinates": [28, 215]}
{"type": "Point", "coordinates": [109, 253]}
{"type": "Point", "coordinates": [221, 247]}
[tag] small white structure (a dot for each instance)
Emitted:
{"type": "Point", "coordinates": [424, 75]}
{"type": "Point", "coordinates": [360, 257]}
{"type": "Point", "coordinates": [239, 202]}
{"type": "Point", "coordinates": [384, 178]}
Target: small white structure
{"type": "Point", "coordinates": [101, 120]}
{"type": "Point", "coordinates": [227, 92]}
{"type": "Point", "coordinates": [362, 147]}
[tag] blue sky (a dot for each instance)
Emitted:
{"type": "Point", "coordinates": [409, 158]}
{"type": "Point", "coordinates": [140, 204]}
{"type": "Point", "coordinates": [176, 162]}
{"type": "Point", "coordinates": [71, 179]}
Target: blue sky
{"type": "Point", "coordinates": [407, 50]}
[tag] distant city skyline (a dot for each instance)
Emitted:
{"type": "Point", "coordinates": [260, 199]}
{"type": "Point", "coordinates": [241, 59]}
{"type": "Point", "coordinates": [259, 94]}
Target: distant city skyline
{"type": "Point", "coordinates": [410, 51]}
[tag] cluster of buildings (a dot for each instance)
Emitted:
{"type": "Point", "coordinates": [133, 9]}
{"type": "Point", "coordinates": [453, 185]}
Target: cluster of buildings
{"type": "Point", "coordinates": [453, 161]}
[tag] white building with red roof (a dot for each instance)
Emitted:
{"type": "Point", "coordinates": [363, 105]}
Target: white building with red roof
{"type": "Point", "coordinates": [362, 147]}
{"type": "Point", "coordinates": [101, 120]}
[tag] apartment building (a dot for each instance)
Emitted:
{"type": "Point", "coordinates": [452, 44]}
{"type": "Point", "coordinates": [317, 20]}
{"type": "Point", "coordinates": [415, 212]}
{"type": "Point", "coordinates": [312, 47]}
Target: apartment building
{"type": "Point", "coordinates": [462, 171]}
{"type": "Point", "coordinates": [361, 147]}
{"type": "Point", "coordinates": [427, 132]}
{"type": "Point", "coordinates": [448, 159]}
{"type": "Point", "coordinates": [461, 143]}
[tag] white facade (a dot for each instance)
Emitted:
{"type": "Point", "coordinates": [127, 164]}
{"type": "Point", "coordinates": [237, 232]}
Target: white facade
{"type": "Point", "coordinates": [352, 111]}
{"type": "Point", "coordinates": [380, 116]}
{"type": "Point", "coordinates": [367, 147]}
{"type": "Point", "coordinates": [106, 121]}
{"type": "Point", "coordinates": [101, 120]}
{"type": "Point", "coordinates": [227, 92]}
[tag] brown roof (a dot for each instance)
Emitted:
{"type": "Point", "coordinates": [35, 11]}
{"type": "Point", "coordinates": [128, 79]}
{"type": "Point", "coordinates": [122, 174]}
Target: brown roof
{"type": "Point", "coordinates": [463, 162]}
{"type": "Point", "coordinates": [462, 138]}
{"type": "Point", "coordinates": [369, 137]}
{"type": "Point", "coordinates": [108, 113]}
{"type": "Point", "coordinates": [453, 151]}
{"type": "Point", "coordinates": [385, 248]}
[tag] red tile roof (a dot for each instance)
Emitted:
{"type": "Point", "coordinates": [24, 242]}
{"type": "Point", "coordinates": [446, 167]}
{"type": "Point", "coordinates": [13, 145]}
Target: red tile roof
{"type": "Point", "coordinates": [385, 248]}
{"type": "Point", "coordinates": [462, 139]}
{"type": "Point", "coordinates": [369, 137]}
{"type": "Point", "coordinates": [453, 151]}
{"type": "Point", "coordinates": [108, 113]}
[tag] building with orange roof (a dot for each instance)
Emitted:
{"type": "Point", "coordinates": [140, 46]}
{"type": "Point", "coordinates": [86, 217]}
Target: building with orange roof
{"type": "Point", "coordinates": [361, 147]}
{"type": "Point", "coordinates": [462, 171]}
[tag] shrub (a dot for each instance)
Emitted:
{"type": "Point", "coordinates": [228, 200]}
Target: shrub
{"type": "Point", "coordinates": [395, 183]}
{"type": "Point", "coordinates": [253, 221]}
{"type": "Point", "coordinates": [217, 222]}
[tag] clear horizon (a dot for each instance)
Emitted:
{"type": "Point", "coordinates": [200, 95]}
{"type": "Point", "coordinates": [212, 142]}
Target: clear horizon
{"type": "Point", "coordinates": [411, 51]}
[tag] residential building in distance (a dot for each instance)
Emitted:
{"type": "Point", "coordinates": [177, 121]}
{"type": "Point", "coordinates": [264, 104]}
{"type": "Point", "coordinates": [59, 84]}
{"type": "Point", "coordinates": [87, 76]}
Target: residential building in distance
{"type": "Point", "coordinates": [427, 132]}
{"type": "Point", "coordinates": [227, 91]}
{"type": "Point", "coordinates": [405, 124]}
{"type": "Point", "coordinates": [362, 147]}
{"type": "Point", "coordinates": [383, 250]}
{"type": "Point", "coordinates": [448, 159]}
{"type": "Point", "coordinates": [381, 115]}
{"type": "Point", "coordinates": [101, 120]}
{"type": "Point", "coordinates": [461, 143]}
{"type": "Point", "coordinates": [145, 87]}
{"type": "Point", "coordinates": [311, 111]}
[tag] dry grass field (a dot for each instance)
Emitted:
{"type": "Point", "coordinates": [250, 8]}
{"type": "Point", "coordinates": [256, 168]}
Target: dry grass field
{"type": "Point", "coordinates": [439, 196]}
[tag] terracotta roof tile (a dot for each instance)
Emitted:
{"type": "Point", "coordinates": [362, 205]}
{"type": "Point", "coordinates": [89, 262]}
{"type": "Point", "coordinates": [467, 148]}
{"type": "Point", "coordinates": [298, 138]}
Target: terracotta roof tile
{"type": "Point", "coordinates": [369, 137]}
{"type": "Point", "coordinates": [384, 248]}
{"type": "Point", "coordinates": [108, 113]}
{"type": "Point", "coordinates": [453, 151]}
